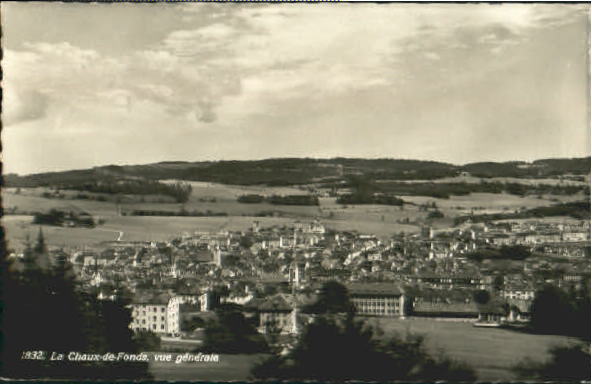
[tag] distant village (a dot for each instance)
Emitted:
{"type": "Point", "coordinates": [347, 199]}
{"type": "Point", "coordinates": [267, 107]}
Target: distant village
{"type": "Point", "coordinates": [273, 272]}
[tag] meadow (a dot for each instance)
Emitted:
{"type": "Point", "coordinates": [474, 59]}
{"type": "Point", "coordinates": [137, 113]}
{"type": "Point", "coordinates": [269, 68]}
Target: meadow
{"type": "Point", "coordinates": [525, 181]}
{"type": "Point", "coordinates": [483, 202]}
{"type": "Point", "coordinates": [134, 228]}
{"type": "Point", "coordinates": [383, 221]}
{"type": "Point", "coordinates": [492, 352]}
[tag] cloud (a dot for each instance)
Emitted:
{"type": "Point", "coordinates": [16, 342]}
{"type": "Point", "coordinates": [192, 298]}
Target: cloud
{"type": "Point", "coordinates": [261, 52]}
{"type": "Point", "coordinates": [257, 80]}
{"type": "Point", "coordinates": [44, 74]}
{"type": "Point", "coordinates": [432, 56]}
{"type": "Point", "coordinates": [25, 105]}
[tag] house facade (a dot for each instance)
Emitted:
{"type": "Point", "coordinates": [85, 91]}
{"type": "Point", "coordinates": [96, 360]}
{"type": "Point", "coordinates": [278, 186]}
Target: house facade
{"type": "Point", "coordinates": [149, 316]}
{"type": "Point", "coordinates": [174, 311]}
{"type": "Point", "coordinates": [380, 299]}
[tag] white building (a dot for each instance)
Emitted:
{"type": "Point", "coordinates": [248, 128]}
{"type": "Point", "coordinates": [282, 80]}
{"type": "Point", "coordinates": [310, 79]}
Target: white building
{"type": "Point", "coordinates": [174, 311]}
{"type": "Point", "coordinates": [149, 316]}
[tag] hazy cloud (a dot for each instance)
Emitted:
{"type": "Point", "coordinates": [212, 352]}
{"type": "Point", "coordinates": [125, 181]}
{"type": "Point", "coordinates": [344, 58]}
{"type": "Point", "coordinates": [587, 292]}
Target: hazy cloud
{"type": "Point", "coordinates": [258, 80]}
{"type": "Point", "coordinates": [25, 105]}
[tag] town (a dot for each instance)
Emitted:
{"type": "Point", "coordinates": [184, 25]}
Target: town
{"type": "Point", "coordinates": [219, 192]}
{"type": "Point", "coordinates": [274, 272]}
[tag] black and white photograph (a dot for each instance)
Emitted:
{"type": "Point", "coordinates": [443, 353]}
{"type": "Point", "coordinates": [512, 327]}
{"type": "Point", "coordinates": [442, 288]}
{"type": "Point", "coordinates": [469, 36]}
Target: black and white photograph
{"type": "Point", "coordinates": [321, 192]}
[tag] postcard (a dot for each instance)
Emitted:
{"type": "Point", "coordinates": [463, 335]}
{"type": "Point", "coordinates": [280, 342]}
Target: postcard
{"type": "Point", "coordinates": [214, 192]}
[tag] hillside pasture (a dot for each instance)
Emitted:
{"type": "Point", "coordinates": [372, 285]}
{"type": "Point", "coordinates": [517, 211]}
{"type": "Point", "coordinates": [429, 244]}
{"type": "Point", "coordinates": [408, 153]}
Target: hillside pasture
{"type": "Point", "coordinates": [481, 203]}
{"type": "Point", "coordinates": [19, 227]}
{"type": "Point", "coordinates": [221, 198]}
{"type": "Point", "coordinates": [229, 207]}
{"type": "Point", "coordinates": [380, 229]}
{"type": "Point", "coordinates": [382, 220]}
{"type": "Point", "coordinates": [32, 201]}
{"type": "Point", "coordinates": [378, 214]}
{"type": "Point", "coordinates": [505, 180]}
{"type": "Point", "coordinates": [225, 191]}
{"type": "Point", "coordinates": [131, 228]}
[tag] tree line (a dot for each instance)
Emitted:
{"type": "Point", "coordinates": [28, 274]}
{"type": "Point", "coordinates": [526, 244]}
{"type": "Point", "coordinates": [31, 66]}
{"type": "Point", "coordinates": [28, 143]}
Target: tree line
{"type": "Point", "coordinates": [360, 198]}
{"type": "Point", "coordinates": [179, 191]}
{"type": "Point", "coordinates": [60, 218]}
{"type": "Point", "coordinates": [446, 190]}
{"type": "Point", "coordinates": [505, 252]}
{"type": "Point", "coordinates": [46, 310]}
{"type": "Point", "coordinates": [279, 199]}
{"type": "Point", "coordinates": [577, 209]}
{"type": "Point", "coordinates": [181, 212]}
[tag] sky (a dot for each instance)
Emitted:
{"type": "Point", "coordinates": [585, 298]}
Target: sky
{"type": "Point", "coordinates": [95, 84]}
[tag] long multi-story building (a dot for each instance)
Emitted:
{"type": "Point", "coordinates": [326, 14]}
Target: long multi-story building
{"type": "Point", "coordinates": [378, 299]}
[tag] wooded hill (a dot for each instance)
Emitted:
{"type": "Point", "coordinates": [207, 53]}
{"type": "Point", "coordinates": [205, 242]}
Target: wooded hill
{"type": "Point", "coordinates": [298, 171]}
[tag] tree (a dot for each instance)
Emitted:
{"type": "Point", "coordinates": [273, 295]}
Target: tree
{"type": "Point", "coordinates": [147, 340]}
{"type": "Point", "coordinates": [336, 350]}
{"type": "Point", "coordinates": [333, 298]}
{"type": "Point", "coordinates": [219, 292]}
{"type": "Point", "coordinates": [498, 282]}
{"type": "Point", "coordinates": [40, 246]}
{"type": "Point", "coordinates": [232, 333]}
{"type": "Point", "coordinates": [246, 242]}
{"type": "Point", "coordinates": [482, 296]}
{"type": "Point", "coordinates": [435, 215]}
{"type": "Point", "coordinates": [516, 252]}
{"type": "Point", "coordinates": [192, 323]}
{"type": "Point", "coordinates": [567, 363]}
{"type": "Point", "coordinates": [46, 310]}
{"type": "Point", "coordinates": [557, 311]}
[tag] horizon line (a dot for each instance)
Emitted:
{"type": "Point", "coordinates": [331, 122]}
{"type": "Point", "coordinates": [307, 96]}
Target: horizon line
{"type": "Point", "coordinates": [295, 158]}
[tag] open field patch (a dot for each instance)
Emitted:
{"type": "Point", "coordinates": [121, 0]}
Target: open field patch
{"type": "Point", "coordinates": [382, 220]}
{"type": "Point", "coordinates": [517, 180]}
{"type": "Point", "coordinates": [490, 351]}
{"type": "Point", "coordinates": [29, 202]}
{"type": "Point", "coordinates": [482, 202]}
{"type": "Point", "coordinates": [134, 228]}
{"type": "Point", "coordinates": [18, 227]}
{"type": "Point", "coordinates": [201, 189]}
{"type": "Point", "coordinates": [379, 229]}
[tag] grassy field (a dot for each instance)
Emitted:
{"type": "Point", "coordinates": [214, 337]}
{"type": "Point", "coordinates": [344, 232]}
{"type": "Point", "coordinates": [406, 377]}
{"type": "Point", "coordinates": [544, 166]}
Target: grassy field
{"type": "Point", "coordinates": [134, 228]}
{"type": "Point", "coordinates": [525, 181]}
{"type": "Point", "coordinates": [491, 352]}
{"type": "Point", "coordinates": [481, 202]}
{"type": "Point", "coordinates": [384, 221]}
{"type": "Point", "coordinates": [30, 200]}
{"type": "Point", "coordinates": [204, 190]}
{"type": "Point", "coordinates": [379, 220]}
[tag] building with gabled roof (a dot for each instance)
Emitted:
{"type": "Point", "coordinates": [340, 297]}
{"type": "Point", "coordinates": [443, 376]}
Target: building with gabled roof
{"type": "Point", "coordinates": [377, 299]}
{"type": "Point", "coordinates": [149, 311]}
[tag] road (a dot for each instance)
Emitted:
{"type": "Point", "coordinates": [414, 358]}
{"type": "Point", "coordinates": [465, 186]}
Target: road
{"type": "Point", "coordinates": [119, 236]}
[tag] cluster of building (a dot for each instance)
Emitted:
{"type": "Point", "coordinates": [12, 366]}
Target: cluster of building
{"type": "Point", "coordinates": [275, 272]}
